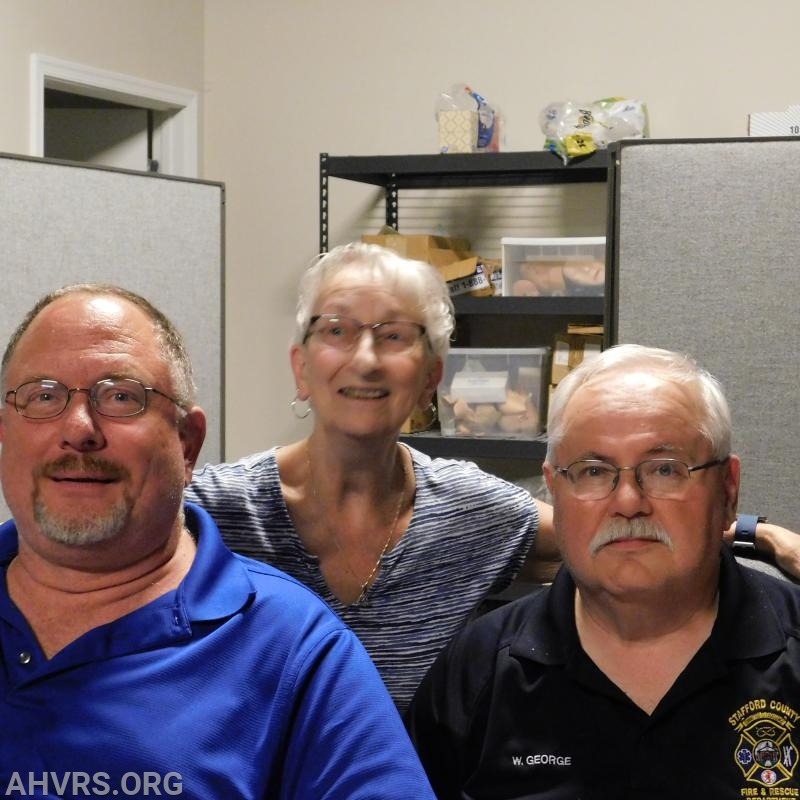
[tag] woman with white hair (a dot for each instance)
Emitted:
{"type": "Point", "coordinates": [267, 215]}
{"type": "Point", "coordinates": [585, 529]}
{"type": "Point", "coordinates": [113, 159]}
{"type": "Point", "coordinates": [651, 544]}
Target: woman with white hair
{"type": "Point", "coordinates": [403, 547]}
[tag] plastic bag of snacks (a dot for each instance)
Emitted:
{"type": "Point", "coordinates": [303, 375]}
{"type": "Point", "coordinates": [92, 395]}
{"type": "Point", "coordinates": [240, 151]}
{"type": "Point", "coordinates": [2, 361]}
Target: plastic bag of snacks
{"type": "Point", "coordinates": [467, 122]}
{"type": "Point", "coordinates": [577, 129]}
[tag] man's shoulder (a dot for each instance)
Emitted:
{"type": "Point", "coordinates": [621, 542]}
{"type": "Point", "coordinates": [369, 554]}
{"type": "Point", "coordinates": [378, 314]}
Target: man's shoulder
{"type": "Point", "coordinates": [519, 626]}
{"type": "Point", "coordinates": [271, 582]}
{"type": "Point", "coordinates": [759, 614]}
{"type": "Point", "coordinates": [782, 595]}
{"type": "Point", "coordinates": [461, 679]}
{"type": "Point", "coordinates": [228, 576]}
{"type": "Point", "coordinates": [762, 562]}
{"type": "Point", "coordinates": [8, 541]}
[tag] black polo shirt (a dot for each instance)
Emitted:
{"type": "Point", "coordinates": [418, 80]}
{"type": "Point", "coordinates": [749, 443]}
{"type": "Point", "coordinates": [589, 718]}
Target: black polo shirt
{"type": "Point", "coordinates": [514, 708]}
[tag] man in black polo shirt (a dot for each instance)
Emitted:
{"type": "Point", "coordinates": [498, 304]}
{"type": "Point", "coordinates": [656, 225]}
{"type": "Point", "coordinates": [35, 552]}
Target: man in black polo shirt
{"type": "Point", "coordinates": [655, 666]}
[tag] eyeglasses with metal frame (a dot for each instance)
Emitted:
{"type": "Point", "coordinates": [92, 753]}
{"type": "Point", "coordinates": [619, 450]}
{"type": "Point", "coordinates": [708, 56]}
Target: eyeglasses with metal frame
{"type": "Point", "coordinates": [111, 397]}
{"type": "Point", "coordinates": [343, 333]}
{"type": "Point", "coordinates": [663, 478]}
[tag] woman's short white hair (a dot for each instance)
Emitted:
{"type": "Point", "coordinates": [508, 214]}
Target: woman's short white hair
{"type": "Point", "coordinates": [714, 420]}
{"type": "Point", "coordinates": [418, 282]}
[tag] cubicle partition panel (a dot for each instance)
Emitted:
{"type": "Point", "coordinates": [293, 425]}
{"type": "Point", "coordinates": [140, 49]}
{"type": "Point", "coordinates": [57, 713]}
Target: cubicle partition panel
{"type": "Point", "coordinates": [161, 237]}
{"type": "Point", "coordinates": [705, 245]}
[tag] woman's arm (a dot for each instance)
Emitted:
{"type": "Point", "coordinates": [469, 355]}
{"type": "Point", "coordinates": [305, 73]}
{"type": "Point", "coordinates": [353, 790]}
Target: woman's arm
{"type": "Point", "coordinates": [544, 558]}
{"type": "Point", "coordinates": [781, 545]}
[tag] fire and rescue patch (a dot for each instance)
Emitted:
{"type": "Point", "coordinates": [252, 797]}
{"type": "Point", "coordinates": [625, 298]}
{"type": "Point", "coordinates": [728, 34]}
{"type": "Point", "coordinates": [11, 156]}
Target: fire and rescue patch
{"type": "Point", "coordinates": [766, 752]}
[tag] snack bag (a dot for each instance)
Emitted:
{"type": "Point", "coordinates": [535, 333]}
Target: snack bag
{"type": "Point", "coordinates": [574, 129]}
{"type": "Point", "coordinates": [467, 123]}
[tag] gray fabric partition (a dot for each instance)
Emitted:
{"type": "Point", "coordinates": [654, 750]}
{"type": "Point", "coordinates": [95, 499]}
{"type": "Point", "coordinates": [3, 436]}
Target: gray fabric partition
{"type": "Point", "coordinates": [705, 244]}
{"type": "Point", "coordinates": [159, 236]}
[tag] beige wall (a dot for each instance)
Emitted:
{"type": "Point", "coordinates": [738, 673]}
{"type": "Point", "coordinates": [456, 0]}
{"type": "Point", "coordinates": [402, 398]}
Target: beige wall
{"type": "Point", "coordinates": [284, 81]}
{"type": "Point", "coordinates": [288, 80]}
{"type": "Point", "coordinates": [152, 39]}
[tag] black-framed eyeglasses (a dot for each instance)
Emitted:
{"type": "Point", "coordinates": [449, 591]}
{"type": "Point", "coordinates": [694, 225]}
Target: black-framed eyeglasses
{"type": "Point", "coordinates": [343, 333]}
{"type": "Point", "coordinates": [112, 397]}
{"type": "Point", "coordinates": [665, 478]}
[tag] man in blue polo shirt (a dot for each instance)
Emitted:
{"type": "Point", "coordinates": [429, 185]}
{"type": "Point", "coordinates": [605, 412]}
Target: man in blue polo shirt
{"type": "Point", "coordinates": [140, 656]}
{"type": "Point", "coordinates": [655, 666]}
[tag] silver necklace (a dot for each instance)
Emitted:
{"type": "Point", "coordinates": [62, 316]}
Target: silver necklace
{"type": "Point", "coordinates": [361, 600]}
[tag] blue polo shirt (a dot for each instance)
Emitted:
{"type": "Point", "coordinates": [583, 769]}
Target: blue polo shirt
{"type": "Point", "coordinates": [240, 683]}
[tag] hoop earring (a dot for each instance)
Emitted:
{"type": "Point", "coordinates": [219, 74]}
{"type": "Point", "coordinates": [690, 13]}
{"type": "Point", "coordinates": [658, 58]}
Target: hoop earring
{"type": "Point", "coordinates": [305, 413]}
{"type": "Point", "coordinates": [434, 414]}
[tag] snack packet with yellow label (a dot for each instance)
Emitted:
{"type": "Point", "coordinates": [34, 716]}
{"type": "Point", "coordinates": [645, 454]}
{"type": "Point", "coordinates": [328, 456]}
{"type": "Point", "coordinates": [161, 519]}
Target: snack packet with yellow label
{"type": "Point", "coordinates": [577, 129]}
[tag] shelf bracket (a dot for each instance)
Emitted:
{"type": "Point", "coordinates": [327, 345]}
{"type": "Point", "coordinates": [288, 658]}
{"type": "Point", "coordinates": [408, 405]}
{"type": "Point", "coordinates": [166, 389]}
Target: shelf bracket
{"type": "Point", "coordinates": [392, 202]}
{"type": "Point", "coordinates": [323, 202]}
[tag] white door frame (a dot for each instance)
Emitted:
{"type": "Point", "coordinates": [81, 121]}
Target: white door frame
{"type": "Point", "coordinates": [176, 137]}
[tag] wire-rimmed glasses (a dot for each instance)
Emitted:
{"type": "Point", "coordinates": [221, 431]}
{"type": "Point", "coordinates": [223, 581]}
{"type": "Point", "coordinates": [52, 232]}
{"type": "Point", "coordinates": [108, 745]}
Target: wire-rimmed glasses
{"type": "Point", "coordinates": [343, 333]}
{"type": "Point", "coordinates": [665, 478]}
{"type": "Point", "coordinates": [112, 397]}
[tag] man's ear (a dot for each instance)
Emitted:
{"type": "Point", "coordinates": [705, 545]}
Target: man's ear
{"type": "Point", "coordinates": [730, 487]}
{"type": "Point", "coordinates": [192, 432]}
{"type": "Point", "coordinates": [549, 475]}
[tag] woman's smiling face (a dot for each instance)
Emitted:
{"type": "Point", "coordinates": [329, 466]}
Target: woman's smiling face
{"type": "Point", "coordinates": [364, 391]}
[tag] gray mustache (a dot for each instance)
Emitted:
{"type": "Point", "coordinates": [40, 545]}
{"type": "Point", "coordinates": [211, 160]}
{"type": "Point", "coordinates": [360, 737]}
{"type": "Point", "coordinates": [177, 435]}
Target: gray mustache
{"type": "Point", "coordinates": [620, 529]}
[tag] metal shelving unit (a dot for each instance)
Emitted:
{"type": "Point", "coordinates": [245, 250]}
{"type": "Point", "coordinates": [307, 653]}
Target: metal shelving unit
{"type": "Point", "coordinates": [464, 170]}
{"type": "Point", "coordinates": [452, 170]}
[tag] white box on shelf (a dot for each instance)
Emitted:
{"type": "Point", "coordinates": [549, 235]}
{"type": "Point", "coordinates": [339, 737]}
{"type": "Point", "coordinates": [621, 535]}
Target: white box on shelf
{"type": "Point", "coordinates": [572, 266]}
{"type": "Point", "coordinates": [775, 123]}
{"type": "Point", "coordinates": [480, 387]}
{"type": "Point", "coordinates": [493, 392]}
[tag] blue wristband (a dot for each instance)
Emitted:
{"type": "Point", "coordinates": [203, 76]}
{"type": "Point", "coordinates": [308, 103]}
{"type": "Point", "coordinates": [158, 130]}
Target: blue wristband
{"type": "Point", "coordinates": [745, 531]}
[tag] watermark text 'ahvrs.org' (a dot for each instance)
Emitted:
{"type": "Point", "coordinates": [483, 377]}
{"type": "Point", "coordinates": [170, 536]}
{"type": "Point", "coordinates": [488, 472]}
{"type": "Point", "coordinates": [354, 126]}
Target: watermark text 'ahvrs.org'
{"type": "Point", "coordinates": [98, 784]}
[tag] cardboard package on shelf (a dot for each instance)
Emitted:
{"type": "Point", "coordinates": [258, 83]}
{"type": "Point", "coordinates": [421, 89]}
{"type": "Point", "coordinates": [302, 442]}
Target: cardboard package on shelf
{"type": "Point", "coordinates": [458, 131]}
{"type": "Point", "coordinates": [578, 344]}
{"type": "Point", "coordinates": [465, 272]}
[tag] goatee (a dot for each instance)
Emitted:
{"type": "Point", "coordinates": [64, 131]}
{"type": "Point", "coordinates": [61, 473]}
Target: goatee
{"type": "Point", "coordinates": [81, 527]}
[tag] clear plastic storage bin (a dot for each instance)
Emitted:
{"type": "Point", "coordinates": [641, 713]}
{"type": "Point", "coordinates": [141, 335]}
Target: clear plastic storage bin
{"type": "Point", "coordinates": [573, 266]}
{"type": "Point", "coordinates": [497, 393]}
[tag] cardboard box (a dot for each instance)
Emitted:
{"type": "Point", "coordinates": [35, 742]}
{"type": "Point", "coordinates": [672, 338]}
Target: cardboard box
{"type": "Point", "coordinates": [435, 250]}
{"type": "Point", "coordinates": [464, 272]}
{"type": "Point", "coordinates": [571, 266]}
{"type": "Point", "coordinates": [475, 276]}
{"type": "Point", "coordinates": [493, 392]}
{"type": "Point", "coordinates": [569, 350]}
{"type": "Point", "coordinates": [458, 131]}
{"type": "Point", "coordinates": [775, 123]}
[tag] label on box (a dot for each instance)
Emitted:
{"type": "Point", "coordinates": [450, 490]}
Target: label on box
{"type": "Point", "coordinates": [470, 283]}
{"type": "Point", "coordinates": [479, 387]}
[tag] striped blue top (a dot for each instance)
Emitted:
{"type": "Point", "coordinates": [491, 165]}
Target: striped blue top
{"type": "Point", "coordinates": [468, 537]}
